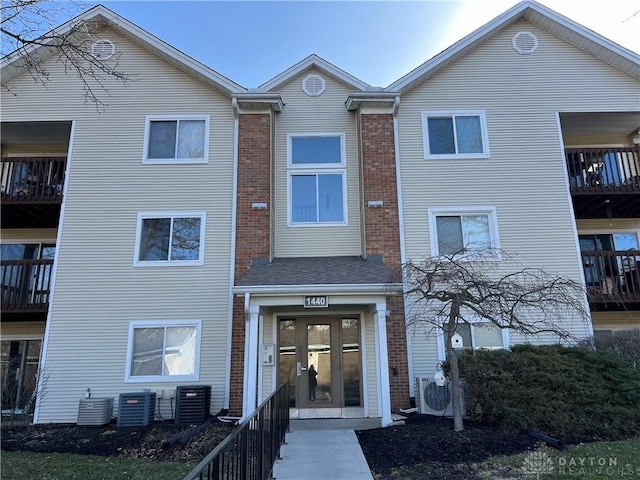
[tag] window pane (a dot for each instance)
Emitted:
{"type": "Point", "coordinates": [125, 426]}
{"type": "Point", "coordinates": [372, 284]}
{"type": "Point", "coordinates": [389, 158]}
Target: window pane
{"type": "Point", "coordinates": [186, 239]}
{"type": "Point", "coordinates": [464, 330]}
{"type": "Point", "coordinates": [449, 231]}
{"type": "Point", "coordinates": [162, 139]}
{"type": "Point", "coordinates": [440, 135]}
{"type": "Point", "coordinates": [487, 335]}
{"type": "Point", "coordinates": [191, 139]}
{"type": "Point", "coordinates": [476, 232]}
{"type": "Point", "coordinates": [154, 239]}
{"type": "Point", "coordinates": [310, 150]}
{"type": "Point", "coordinates": [330, 198]}
{"type": "Point", "coordinates": [147, 351]}
{"type": "Point", "coordinates": [303, 198]}
{"type": "Point", "coordinates": [180, 353]}
{"type": "Point", "coordinates": [351, 362]}
{"type": "Point", "coordinates": [469, 134]}
{"type": "Point", "coordinates": [625, 241]}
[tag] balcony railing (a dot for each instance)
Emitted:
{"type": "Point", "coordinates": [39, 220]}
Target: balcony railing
{"type": "Point", "coordinates": [604, 170]}
{"type": "Point", "coordinates": [612, 276]}
{"type": "Point", "coordinates": [25, 285]}
{"type": "Point", "coordinates": [32, 179]}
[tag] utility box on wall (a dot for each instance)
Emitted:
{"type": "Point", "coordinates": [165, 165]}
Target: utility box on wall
{"type": "Point", "coordinates": [193, 404]}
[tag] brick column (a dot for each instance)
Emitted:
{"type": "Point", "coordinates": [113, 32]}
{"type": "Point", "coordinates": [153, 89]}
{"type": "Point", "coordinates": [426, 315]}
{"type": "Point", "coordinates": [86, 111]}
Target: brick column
{"type": "Point", "coordinates": [252, 228]}
{"type": "Point", "coordinates": [382, 237]}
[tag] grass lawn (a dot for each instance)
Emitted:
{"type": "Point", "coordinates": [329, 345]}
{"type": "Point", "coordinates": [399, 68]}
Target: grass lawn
{"type": "Point", "coordinates": [63, 466]}
{"type": "Point", "coordinates": [589, 461]}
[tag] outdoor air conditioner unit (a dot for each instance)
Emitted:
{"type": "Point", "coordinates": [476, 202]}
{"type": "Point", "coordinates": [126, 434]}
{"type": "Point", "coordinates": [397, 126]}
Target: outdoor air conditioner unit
{"type": "Point", "coordinates": [193, 404]}
{"type": "Point", "coordinates": [94, 412]}
{"type": "Point", "coordinates": [434, 399]}
{"type": "Point", "coordinates": [136, 409]}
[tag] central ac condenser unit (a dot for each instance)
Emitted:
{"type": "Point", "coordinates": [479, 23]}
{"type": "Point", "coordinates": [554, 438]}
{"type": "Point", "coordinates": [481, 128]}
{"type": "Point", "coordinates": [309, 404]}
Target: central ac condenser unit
{"type": "Point", "coordinates": [136, 409]}
{"type": "Point", "coordinates": [434, 399]}
{"type": "Point", "coordinates": [193, 404]}
{"type": "Point", "coordinates": [94, 412]}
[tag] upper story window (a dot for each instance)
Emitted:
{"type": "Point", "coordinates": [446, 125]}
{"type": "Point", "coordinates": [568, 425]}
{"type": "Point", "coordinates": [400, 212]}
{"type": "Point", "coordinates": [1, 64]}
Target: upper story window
{"type": "Point", "coordinates": [176, 139]}
{"type": "Point", "coordinates": [460, 134]}
{"type": "Point", "coordinates": [317, 179]}
{"type": "Point", "coordinates": [163, 351]}
{"type": "Point", "coordinates": [464, 231]}
{"type": "Point", "coordinates": [170, 239]}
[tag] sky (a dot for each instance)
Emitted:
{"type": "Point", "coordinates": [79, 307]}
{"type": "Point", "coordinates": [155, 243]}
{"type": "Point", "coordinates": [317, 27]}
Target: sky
{"type": "Point", "coordinates": [378, 42]}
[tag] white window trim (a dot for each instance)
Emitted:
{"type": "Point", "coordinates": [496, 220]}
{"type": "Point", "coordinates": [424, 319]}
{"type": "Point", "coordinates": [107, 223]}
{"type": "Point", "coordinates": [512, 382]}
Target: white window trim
{"type": "Point", "coordinates": [453, 113]}
{"type": "Point", "coordinates": [172, 263]}
{"type": "Point", "coordinates": [490, 211]}
{"type": "Point", "coordinates": [440, 338]}
{"type": "Point", "coordinates": [163, 378]}
{"type": "Point", "coordinates": [181, 161]}
{"type": "Point", "coordinates": [317, 169]}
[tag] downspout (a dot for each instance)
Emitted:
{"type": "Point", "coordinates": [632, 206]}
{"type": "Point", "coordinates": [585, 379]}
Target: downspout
{"type": "Point", "coordinates": [42, 378]}
{"type": "Point", "coordinates": [403, 250]}
{"type": "Point", "coordinates": [232, 263]}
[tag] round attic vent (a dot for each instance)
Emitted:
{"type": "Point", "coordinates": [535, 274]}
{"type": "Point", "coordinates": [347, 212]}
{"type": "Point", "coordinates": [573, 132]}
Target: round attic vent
{"type": "Point", "coordinates": [525, 43]}
{"type": "Point", "coordinates": [103, 49]}
{"type": "Point", "coordinates": [313, 85]}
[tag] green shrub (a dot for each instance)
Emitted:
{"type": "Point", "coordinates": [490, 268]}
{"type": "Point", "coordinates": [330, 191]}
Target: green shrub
{"type": "Point", "coordinates": [565, 392]}
{"type": "Point", "coordinates": [623, 342]}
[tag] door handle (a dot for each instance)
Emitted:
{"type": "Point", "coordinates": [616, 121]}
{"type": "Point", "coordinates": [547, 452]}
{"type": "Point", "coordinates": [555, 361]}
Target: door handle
{"type": "Point", "coordinates": [300, 369]}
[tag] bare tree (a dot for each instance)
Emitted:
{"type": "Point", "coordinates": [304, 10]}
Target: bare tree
{"type": "Point", "coordinates": [28, 29]}
{"type": "Point", "coordinates": [445, 292]}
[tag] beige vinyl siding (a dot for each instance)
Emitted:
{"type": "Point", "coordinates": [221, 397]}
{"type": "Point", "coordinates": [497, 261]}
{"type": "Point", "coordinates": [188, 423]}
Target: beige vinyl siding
{"type": "Point", "coordinates": [305, 114]}
{"type": "Point", "coordinates": [31, 151]}
{"type": "Point", "coordinates": [609, 225]}
{"type": "Point", "coordinates": [424, 352]}
{"type": "Point", "coordinates": [524, 178]}
{"type": "Point", "coordinates": [371, 380]}
{"type": "Point", "coordinates": [20, 330]}
{"type": "Point", "coordinates": [26, 235]}
{"type": "Point", "coordinates": [269, 372]}
{"type": "Point", "coordinates": [615, 320]}
{"type": "Point", "coordinates": [98, 291]}
{"type": "Point", "coordinates": [577, 141]}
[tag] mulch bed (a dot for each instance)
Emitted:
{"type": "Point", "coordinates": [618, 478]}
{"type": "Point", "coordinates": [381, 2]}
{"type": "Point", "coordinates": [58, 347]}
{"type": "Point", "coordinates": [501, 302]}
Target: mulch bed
{"type": "Point", "coordinates": [161, 441]}
{"type": "Point", "coordinates": [431, 440]}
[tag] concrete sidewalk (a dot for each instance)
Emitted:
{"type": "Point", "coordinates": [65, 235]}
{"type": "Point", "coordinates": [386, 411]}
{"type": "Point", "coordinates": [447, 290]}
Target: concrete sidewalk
{"type": "Point", "coordinates": [321, 454]}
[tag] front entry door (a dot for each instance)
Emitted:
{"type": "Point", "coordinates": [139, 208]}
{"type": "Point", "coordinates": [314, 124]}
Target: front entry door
{"type": "Point", "coordinates": [318, 368]}
{"type": "Point", "coordinates": [320, 357]}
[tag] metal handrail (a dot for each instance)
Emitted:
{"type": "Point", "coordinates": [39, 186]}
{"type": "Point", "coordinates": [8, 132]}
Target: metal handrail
{"type": "Point", "coordinates": [250, 451]}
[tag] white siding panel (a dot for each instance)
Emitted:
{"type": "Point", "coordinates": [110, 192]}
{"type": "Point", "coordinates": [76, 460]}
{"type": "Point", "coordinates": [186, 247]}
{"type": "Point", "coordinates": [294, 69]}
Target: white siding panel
{"type": "Point", "coordinates": [371, 382]}
{"type": "Point", "coordinates": [98, 291]}
{"type": "Point", "coordinates": [305, 114]}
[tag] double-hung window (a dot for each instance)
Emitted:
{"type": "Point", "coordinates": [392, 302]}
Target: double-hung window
{"type": "Point", "coordinates": [477, 335]}
{"type": "Point", "coordinates": [170, 238]}
{"type": "Point", "coordinates": [464, 231]}
{"type": "Point", "coordinates": [166, 350]}
{"type": "Point", "coordinates": [460, 134]}
{"type": "Point", "coordinates": [176, 139]}
{"type": "Point", "coordinates": [317, 179]}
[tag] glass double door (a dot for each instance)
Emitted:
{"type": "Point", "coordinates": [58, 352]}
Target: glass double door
{"type": "Point", "coordinates": [320, 357]}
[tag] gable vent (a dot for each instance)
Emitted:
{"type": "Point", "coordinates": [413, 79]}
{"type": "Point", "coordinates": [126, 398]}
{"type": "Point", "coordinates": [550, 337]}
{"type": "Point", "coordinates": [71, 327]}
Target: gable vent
{"type": "Point", "coordinates": [313, 85]}
{"type": "Point", "coordinates": [103, 49]}
{"type": "Point", "coordinates": [525, 43]}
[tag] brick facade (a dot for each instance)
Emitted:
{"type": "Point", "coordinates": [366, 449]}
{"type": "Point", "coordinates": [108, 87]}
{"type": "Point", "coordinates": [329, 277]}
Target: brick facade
{"type": "Point", "coordinates": [382, 234]}
{"type": "Point", "coordinates": [252, 228]}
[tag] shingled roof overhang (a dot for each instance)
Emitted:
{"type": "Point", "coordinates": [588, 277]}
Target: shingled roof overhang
{"type": "Point", "coordinates": [314, 274]}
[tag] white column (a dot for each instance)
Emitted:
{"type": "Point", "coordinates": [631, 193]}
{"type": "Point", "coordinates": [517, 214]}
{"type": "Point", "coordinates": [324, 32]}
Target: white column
{"type": "Point", "coordinates": [382, 363]}
{"type": "Point", "coordinates": [250, 398]}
